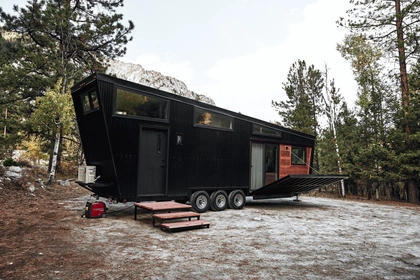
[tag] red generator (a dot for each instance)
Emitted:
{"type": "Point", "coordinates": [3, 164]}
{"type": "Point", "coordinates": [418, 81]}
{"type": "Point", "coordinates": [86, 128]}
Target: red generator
{"type": "Point", "coordinates": [95, 209]}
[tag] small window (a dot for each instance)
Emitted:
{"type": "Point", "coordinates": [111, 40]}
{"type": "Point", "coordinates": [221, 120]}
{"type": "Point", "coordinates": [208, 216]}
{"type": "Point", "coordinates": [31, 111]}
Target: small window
{"type": "Point", "coordinates": [140, 105]}
{"type": "Point", "coordinates": [95, 101]}
{"type": "Point", "coordinates": [90, 101]}
{"type": "Point", "coordinates": [212, 119]}
{"type": "Point", "coordinates": [298, 155]}
{"type": "Point", "coordinates": [258, 129]}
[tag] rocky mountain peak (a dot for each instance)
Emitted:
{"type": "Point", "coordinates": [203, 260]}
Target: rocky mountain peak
{"type": "Point", "coordinates": [137, 74]}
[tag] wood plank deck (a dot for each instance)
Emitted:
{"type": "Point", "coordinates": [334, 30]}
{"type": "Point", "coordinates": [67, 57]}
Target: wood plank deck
{"type": "Point", "coordinates": [167, 206]}
{"type": "Point", "coordinates": [162, 205]}
{"type": "Point", "coordinates": [175, 215]}
{"type": "Point", "coordinates": [185, 225]}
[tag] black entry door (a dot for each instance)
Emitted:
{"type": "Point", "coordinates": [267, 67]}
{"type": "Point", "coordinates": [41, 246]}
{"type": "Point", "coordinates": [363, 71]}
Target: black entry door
{"type": "Point", "coordinates": [152, 162]}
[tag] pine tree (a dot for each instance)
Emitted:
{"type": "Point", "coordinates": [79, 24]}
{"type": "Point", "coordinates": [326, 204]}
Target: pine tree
{"type": "Point", "coordinates": [395, 27]}
{"type": "Point", "coordinates": [408, 159]}
{"type": "Point", "coordinates": [374, 111]}
{"type": "Point", "coordinates": [64, 40]}
{"type": "Point", "coordinates": [304, 91]}
{"type": "Point", "coordinates": [13, 108]}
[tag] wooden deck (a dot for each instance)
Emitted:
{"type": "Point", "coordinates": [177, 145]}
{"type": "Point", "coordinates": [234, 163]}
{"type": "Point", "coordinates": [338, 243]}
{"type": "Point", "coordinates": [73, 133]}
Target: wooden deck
{"type": "Point", "coordinates": [167, 206]}
{"type": "Point", "coordinates": [163, 206]}
{"type": "Point", "coordinates": [181, 211]}
{"type": "Point", "coordinates": [170, 227]}
{"type": "Point", "coordinates": [175, 215]}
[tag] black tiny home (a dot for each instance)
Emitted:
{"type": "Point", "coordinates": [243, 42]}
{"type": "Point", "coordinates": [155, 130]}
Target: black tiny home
{"type": "Point", "coordinates": [145, 144]}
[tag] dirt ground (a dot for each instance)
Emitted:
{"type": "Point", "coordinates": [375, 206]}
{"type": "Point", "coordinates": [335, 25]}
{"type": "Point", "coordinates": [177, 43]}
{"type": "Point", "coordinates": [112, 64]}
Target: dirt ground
{"type": "Point", "coordinates": [43, 236]}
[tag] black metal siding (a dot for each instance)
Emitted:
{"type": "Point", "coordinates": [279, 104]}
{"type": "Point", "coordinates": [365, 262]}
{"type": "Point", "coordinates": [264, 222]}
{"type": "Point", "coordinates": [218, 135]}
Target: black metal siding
{"type": "Point", "coordinates": [207, 159]}
{"type": "Point", "coordinates": [96, 145]}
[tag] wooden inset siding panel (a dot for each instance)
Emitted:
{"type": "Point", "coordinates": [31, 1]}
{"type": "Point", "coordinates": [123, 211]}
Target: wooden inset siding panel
{"type": "Point", "coordinates": [286, 168]}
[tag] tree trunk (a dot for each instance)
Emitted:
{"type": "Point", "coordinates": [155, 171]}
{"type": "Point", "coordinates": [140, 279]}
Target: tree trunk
{"type": "Point", "coordinates": [337, 149]}
{"type": "Point", "coordinates": [54, 156]}
{"type": "Point", "coordinates": [413, 191]}
{"type": "Point", "coordinates": [5, 126]}
{"type": "Point", "coordinates": [316, 159]}
{"type": "Point", "coordinates": [369, 190]}
{"type": "Point", "coordinates": [402, 63]}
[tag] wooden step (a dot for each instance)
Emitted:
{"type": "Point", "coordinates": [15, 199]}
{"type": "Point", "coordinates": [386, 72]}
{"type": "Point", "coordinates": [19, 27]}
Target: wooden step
{"type": "Point", "coordinates": [185, 225]}
{"type": "Point", "coordinates": [174, 215]}
{"type": "Point", "coordinates": [163, 206]}
{"type": "Point", "coordinates": [167, 206]}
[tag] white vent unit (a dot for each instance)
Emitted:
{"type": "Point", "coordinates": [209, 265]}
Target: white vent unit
{"type": "Point", "coordinates": [86, 174]}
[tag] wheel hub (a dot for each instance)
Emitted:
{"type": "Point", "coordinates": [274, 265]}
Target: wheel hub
{"type": "Point", "coordinates": [221, 201]}
{"type": "Point", "coordinates": [202, 202]}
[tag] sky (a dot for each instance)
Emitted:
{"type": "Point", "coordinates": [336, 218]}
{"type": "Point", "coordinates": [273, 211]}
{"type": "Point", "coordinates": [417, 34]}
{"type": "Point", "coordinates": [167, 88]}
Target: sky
{"type": "Point", "coordinates": [237, 52]}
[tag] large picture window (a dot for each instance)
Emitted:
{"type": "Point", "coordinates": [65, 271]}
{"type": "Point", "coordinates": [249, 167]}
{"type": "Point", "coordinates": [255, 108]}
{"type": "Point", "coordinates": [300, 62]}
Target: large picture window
{"type": "Point", "coordinates": [298, 155]}
{"type": "Point", "coordinates": [212, 119]}
{"type": "Point", "coordinates": [140, 105]}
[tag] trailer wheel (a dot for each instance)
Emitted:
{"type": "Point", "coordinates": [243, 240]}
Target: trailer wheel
{"type": "Point", "coordinates": [236, 199]}
{"type": "Point", "coordinates": [200, 201]}
{"type": "Point", "coordinates": [218, 200]}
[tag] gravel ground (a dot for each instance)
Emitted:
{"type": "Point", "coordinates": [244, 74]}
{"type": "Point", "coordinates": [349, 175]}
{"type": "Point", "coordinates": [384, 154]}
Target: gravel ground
{"type": "Point", "coordinates": [317, 238]}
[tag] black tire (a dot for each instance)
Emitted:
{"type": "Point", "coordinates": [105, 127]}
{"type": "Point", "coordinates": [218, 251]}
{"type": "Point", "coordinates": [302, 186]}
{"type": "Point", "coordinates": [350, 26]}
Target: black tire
{"type": "Point", "coordinates": [218, 200]}
{"type": "Point", "coordinates": [200, 201]}
{"type": "Point", "coordinates": [236, 199]}
{"type": "Point", "coordinates": [192, 198]}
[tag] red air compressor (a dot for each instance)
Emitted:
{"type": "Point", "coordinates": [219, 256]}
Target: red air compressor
{"type": "Point", "coordinates": [96, 209]}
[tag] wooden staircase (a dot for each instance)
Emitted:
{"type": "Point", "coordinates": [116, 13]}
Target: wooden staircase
{"type": "Point", "coordinates": [171, 215]}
